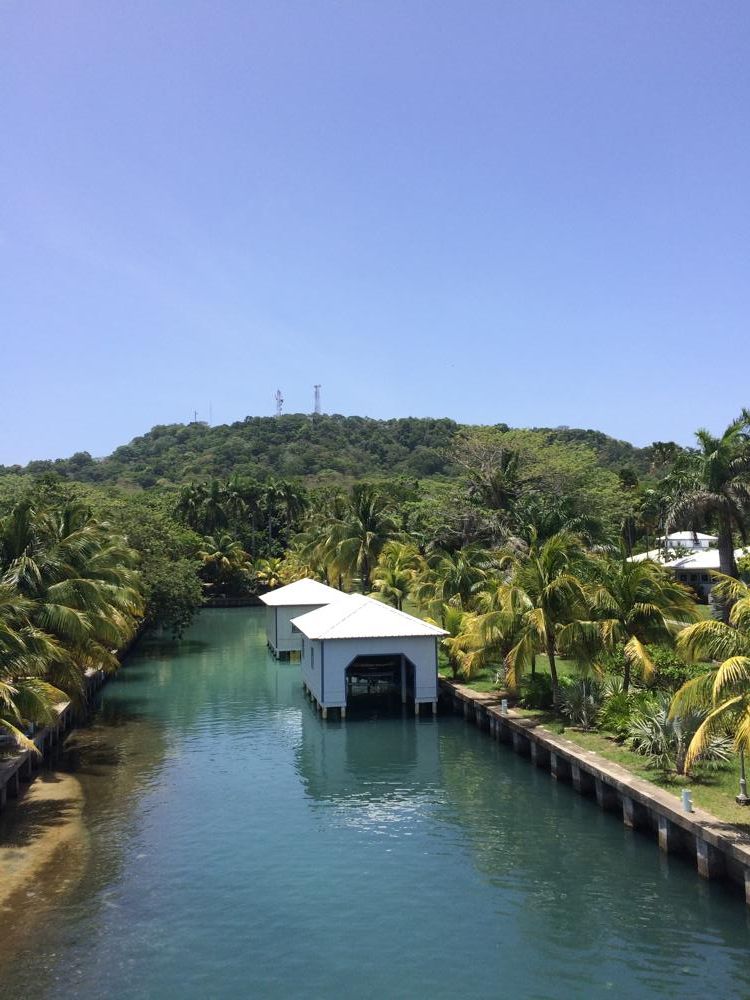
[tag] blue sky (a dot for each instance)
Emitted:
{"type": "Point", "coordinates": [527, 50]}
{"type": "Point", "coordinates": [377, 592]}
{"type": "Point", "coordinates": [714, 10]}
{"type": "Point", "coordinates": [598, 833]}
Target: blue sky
{"type": "Point", "coordinates": [530, 211]}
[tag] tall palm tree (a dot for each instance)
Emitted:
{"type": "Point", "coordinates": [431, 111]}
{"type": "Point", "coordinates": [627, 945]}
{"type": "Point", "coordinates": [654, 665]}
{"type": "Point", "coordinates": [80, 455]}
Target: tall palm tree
{"type": "Point", "coordinates": [715, 483]}
{"type": "Point", "coordinates": [395, 572]}
{"type": "Point", "coordinates": [189, 502]}
{"type": "Point", "coordinates": [553, 596]}
{"type": "Point", "coordinates": [26, 697]}
{"type": "Point", "coordinates": [633, 603]}
{"type": "Point", "coordinates": [547, 514]}
{"type": "Point", "coordinates": [226, 565]}
{"type": "Point", "coordinates": [81, 583]}
{"type": "Point", "coordinates": [454, 578]}
{"type": "Point", "coordinates": [723, 690]}
{"type": "Point", "coordinates": [367, 525]}
{"type": "Point", "coordinates": [462, 645]}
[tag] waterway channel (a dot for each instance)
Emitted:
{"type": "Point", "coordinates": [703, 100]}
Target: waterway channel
{"type": "Point", "coordinates": [230, 843]}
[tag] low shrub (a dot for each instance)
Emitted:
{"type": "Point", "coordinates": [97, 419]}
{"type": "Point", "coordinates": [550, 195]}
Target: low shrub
{"type": "Point", "coordinates": [581, 702]}
{"type": "Point", "coordinates": [665, 741]}
{"type": "Point", "coordinates": [619, 708]}
{"type": "Point", "coordinates": [536, 691]}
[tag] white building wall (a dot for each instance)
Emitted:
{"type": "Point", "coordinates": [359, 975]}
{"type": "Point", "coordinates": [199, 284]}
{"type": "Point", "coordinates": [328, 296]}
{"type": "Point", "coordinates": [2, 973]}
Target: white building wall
{"type": "Point", "coordinates": [310, 666]}
{"type": "Point", "coordinates": [279, 631]}
{"type": "Point", "coordinates": [324, 665]}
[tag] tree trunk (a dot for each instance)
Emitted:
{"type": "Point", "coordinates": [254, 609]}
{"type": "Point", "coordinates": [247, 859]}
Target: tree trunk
{"type": "Point", "coordinates": [533, 664]}
{"type": "Point", "coordinates": [626, 677]}
{"type": "Point", "coordinates": [727, 564]}
{"type": "Point", "coordinates": [553, 676]}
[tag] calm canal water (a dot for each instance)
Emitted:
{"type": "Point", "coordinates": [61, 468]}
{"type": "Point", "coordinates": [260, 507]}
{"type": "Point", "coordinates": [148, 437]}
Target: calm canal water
{"type": "Point", "coordinates": [240, 847]}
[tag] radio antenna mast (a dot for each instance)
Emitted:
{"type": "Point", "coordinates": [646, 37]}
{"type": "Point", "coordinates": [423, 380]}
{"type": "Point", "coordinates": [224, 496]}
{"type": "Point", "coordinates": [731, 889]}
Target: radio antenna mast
{"type": "Point", "coordinates": [279, 402]}
{"type": "Point", "coordinates": [316, 409]}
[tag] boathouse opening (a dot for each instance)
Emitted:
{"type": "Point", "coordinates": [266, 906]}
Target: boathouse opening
{"type": "Point", "coordinates": [380, 681]}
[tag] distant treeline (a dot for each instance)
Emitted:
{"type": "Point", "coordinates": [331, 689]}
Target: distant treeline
{"type": "Point", "coordinates": [324, 448]}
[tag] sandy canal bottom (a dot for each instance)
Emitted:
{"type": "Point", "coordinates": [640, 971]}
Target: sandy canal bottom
{"type": "Point", "coordinates": [43, 848]}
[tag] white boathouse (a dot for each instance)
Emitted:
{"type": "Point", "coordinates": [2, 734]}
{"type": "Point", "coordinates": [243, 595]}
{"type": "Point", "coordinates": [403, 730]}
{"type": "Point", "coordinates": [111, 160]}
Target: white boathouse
{"type": "Point", "coordinates": [358, 645]}
{"type": "Point", "coordinates": [289, 602]}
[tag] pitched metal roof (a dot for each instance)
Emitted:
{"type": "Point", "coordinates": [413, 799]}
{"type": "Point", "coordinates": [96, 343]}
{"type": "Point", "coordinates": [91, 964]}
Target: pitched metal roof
{"type": "Point", "coordinates": [358, 617]}
{"type": "Point", "coordinates": [301, 593]}
{"type": "Point", "coordinates": [705, 559]}
{"type": "Point", "coordinates": [689, 536]}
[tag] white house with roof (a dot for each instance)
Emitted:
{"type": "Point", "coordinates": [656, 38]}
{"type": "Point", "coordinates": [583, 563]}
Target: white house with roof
{"type": "Point", "coordinates": [695, 568]}
{"type": "Point", "coordinates": [359, 645]}
{"type": "Point", "coordinates": [289, 602]}
{"type": "Point", "coordinates": [678, 541]}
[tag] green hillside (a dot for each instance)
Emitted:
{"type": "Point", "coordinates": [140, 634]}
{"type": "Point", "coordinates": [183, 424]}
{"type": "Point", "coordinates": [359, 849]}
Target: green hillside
{"type": "Point", "coordinates": [326, 448]}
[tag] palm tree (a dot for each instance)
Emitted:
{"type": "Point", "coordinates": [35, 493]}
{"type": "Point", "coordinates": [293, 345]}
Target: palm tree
{"type": "Point", "coordinates": [26, 698]}
{"type": "Point", "coordinates": [547, 514]}
{"type": "Point", "coordinates": [366, 527]}
{"type": "Point", "coordinates": [724, 690]}
{"type": "Point", "coordinates": [553, 597]}
{"type": "Point", "coordinates": [213, 509]}
{"type": "Point", "coordinates": [454, 578]}
{"type": "Point", "coordinates": [81, 582]}
{"type": "Point", "coordinates": [462, 645]}
{"type": "Point", "coordinates": [270, 572]}
{"type": "Point", "coordinates": [396, 570]}
{"type": "Point", "coordinates": [188, 508]}
{"type": "Point", "coordinates": [633, 603]}
{"type": "Point", "coordinates": [715, 482]}
{"type": "Point", "coordinates": [226, 565]}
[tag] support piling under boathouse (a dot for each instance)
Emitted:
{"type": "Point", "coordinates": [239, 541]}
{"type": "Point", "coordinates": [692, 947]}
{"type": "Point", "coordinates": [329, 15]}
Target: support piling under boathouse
{"type": "Point", "coordinates": [289, 602]}
{"type": "Point", "coordinates": [358, 647]}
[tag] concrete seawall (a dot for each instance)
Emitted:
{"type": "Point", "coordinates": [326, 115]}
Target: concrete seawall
{"type": "Point", "coordinates": [718, 849]}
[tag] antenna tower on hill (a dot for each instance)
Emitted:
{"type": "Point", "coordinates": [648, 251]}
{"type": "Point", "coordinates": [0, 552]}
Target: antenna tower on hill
{"type": "Point", "coordinates": [316, 409]}
{"type": "Point", "coordinates": [279, 402]}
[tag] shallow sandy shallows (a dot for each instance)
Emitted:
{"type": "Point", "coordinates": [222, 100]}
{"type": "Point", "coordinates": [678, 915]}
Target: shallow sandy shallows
{"type": "Point", "coordinates": [41, 833]}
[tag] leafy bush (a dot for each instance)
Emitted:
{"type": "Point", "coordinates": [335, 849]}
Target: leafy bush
{"type": "Point", "coordinates": [619, 707]}
{"type": "Point", "coordinates": [536, 691]}
{"type": "Point", "coordinates": [582, 701]}
{"type": "Point", "coordinates": [671, 670]}
{"type": "Point", "coordinates": [665, 741]}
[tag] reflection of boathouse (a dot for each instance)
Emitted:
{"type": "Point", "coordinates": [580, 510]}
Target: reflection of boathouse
{"type": "Point", "coordinates": [389, 760]}
{"type": "Point", "coordinates": [358, 647]}
{"type": "Point", "coordinates": [289, 602]}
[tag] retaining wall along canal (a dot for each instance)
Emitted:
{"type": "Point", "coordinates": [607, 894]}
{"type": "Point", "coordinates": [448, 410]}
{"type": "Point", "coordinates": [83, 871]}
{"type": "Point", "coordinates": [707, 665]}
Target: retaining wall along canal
{"type": "Point", "coordinates": [718, 849]}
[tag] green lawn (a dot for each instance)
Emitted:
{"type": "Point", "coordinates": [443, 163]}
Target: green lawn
{"type": "Point", "coordinates": [484, 680]}
{"type": "Point", "coordinates": [713, 791]}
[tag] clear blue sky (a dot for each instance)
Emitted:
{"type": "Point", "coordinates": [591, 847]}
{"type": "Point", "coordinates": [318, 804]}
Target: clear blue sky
{"type": "Point", "coordinates": [522, 211]}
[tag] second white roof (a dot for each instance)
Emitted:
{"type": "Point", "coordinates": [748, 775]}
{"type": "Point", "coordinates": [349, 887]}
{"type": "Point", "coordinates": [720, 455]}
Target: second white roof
{"type": "Point", "coordinates": [301, 593]}
{"type": "Point", "coordinates": [359, 617]}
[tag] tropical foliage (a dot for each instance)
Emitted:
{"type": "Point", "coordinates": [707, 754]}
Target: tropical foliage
{"type": "Point", "coordinates": [70, 598]}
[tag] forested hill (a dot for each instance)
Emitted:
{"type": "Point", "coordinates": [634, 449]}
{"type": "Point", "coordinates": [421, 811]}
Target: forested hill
{"type": "Point", "coordinates": [327, 447]}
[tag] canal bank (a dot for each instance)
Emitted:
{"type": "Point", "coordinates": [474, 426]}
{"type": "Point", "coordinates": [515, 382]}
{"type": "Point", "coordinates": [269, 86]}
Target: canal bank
{"type": "Point", "coordinates": [19, 769]}
{"type": "Point", "coordinates": [718, 850]}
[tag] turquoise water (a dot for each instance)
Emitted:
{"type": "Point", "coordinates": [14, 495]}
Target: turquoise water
{"type": "Point", "coordinates": [238, 846]}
